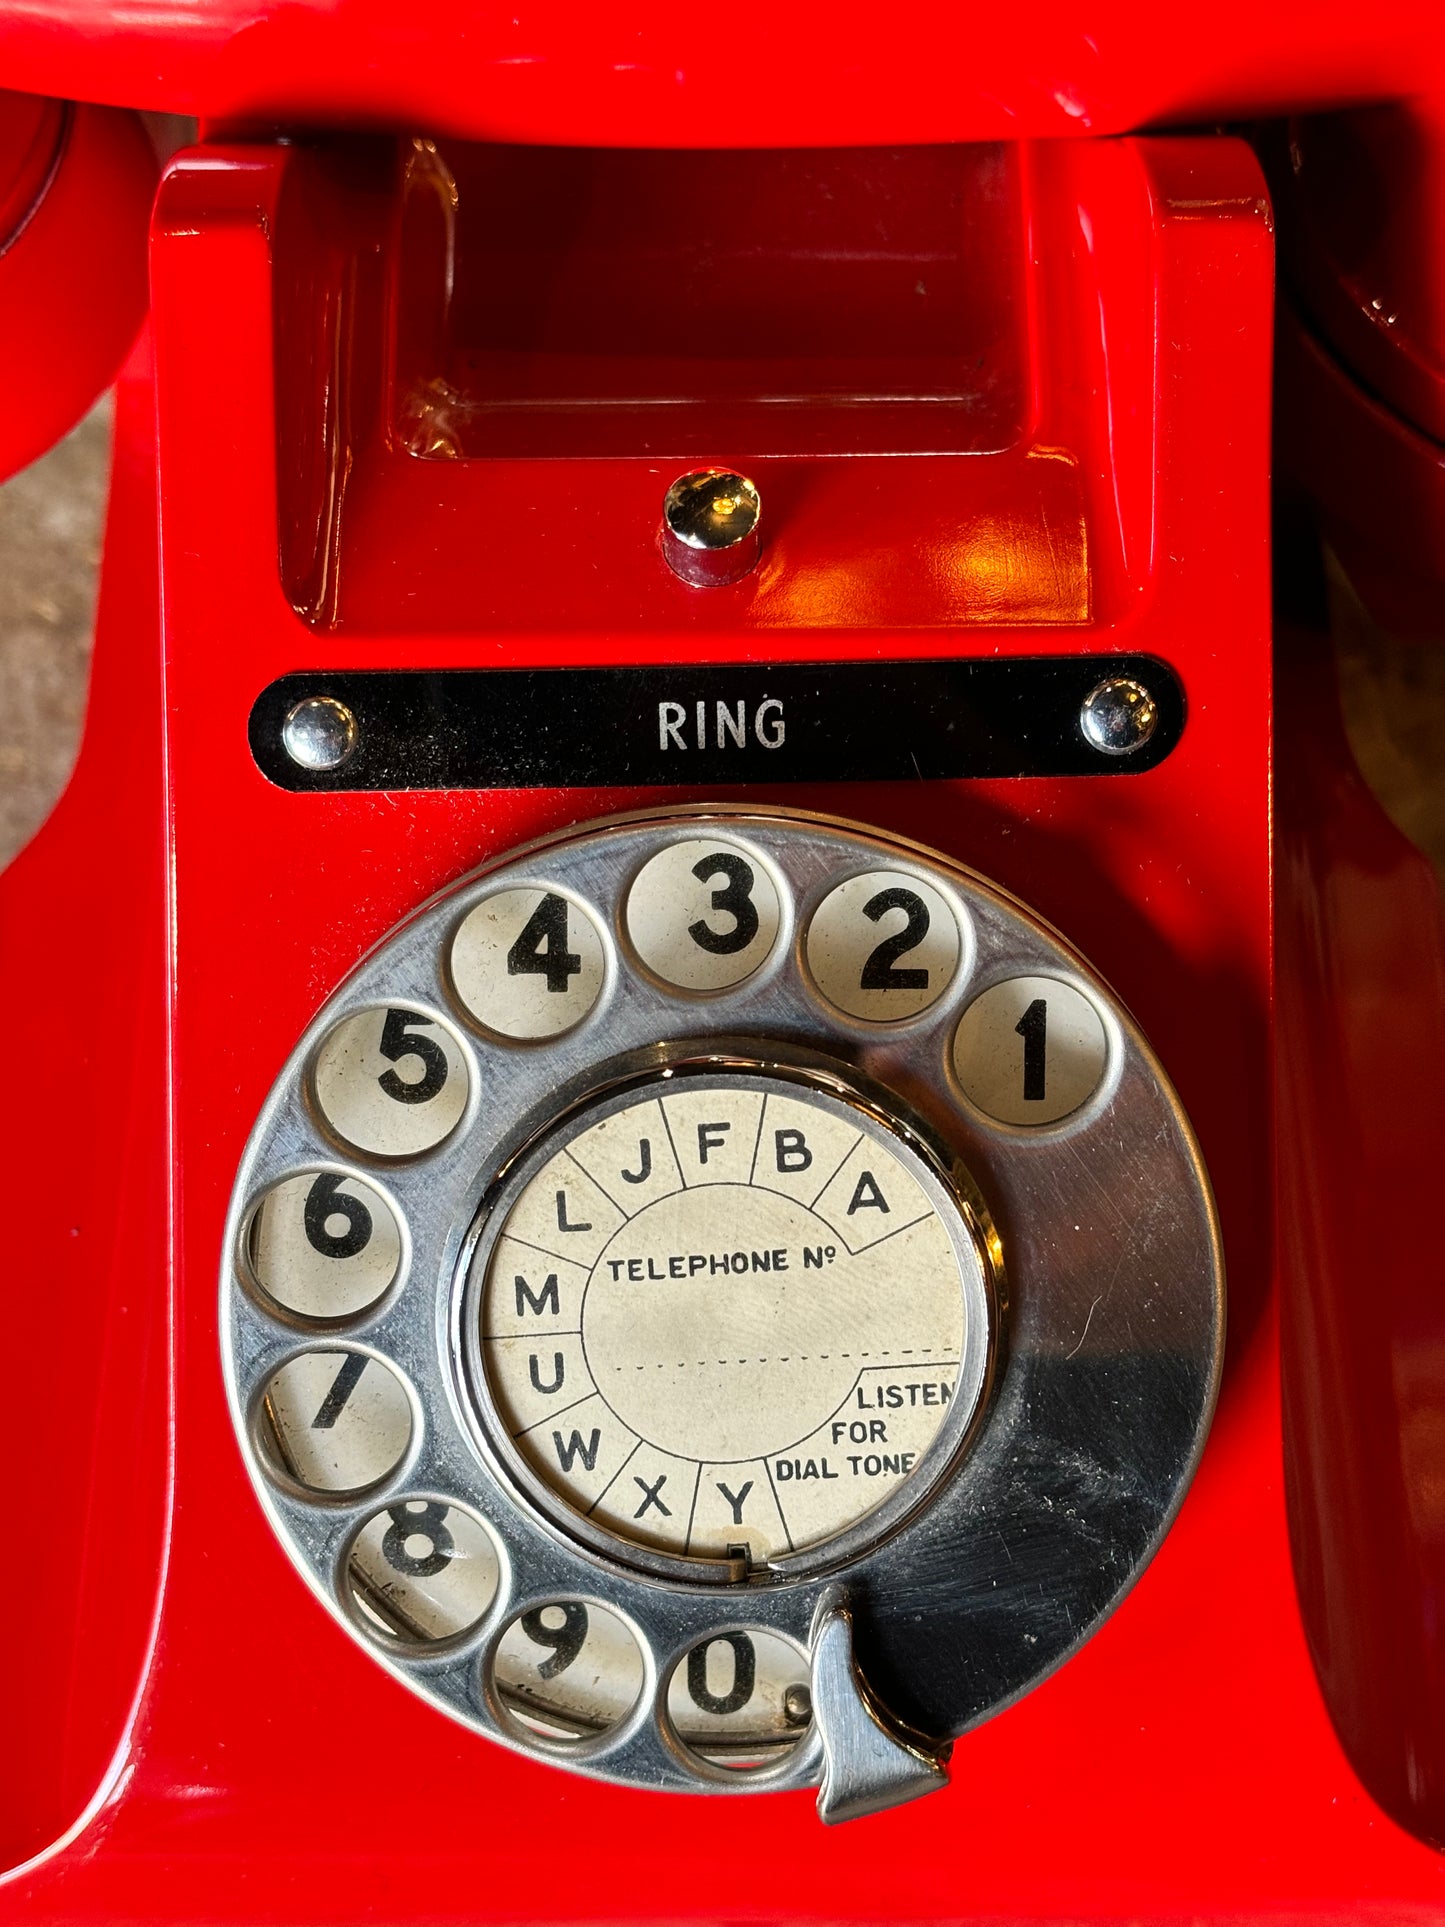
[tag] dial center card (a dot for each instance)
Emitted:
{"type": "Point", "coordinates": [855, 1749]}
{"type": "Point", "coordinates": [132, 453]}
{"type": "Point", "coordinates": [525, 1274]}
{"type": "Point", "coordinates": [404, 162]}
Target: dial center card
{"type": "Point", "coordinates": [726, 1313]}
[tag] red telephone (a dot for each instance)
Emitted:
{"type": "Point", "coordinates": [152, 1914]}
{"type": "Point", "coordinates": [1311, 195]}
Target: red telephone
{"type": "Point", "coordinates": [673, 975]}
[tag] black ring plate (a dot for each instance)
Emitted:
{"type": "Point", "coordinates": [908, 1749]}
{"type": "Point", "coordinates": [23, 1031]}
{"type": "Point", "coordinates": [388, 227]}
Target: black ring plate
{"type": "Point", "coordinates": [478, 729]}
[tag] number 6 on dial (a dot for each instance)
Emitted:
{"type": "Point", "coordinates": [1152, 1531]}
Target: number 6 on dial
{"type": "Point", "coordinates": [324, 1245]}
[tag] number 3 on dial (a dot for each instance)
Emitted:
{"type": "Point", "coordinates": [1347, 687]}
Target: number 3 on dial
{"type": "Point", "coordinates": [703, 915]}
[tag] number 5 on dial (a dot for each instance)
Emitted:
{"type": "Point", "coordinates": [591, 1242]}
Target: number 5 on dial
{"type": "Point", "coordinates": [391, 1081]}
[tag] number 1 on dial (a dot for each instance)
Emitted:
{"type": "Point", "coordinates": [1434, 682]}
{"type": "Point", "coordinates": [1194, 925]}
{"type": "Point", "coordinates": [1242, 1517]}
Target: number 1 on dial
{"type": "Point", "coordinates": [1033, 1027]}
{"type": "Point", "coordinates": [1030, 1050]}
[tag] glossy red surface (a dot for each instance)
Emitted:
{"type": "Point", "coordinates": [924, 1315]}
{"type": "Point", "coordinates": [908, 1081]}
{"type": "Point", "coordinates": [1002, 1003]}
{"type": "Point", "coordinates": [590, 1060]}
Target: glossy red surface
{"type": "Point", "coordinates": [87, 1330]}
{"type": "Point", "coordinates": [1360, 207]}
{"type": "Point", "coordinates": [655, 74]}
{"type": "Point", "coordinates": [1182, 1765]}
{"type": "Point", "coordinates": [75, 194]}
{"type": "Point", "coordinates": [408, 364]}
{"type": "Point", "coordinates": [1361, 1038]}
{"type": "Point", "coordinates": [1378, 480]}
{"type": "Point", "coordinates": [555, 301]}
{"type": "Point", "coordinates": [1362, 343]}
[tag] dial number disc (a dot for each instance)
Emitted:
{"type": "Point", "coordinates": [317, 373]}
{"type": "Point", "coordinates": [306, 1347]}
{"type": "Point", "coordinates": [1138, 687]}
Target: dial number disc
{"type": "Point", "coordinates": [422, 1571]}
{"type": "Point", "coordinates": [883, 946]}
{"type": "Point", "coordinates": [568, 1672]}
{"type": "Point", "coordinates": [727, 1317]}
{"type": "Point", "coordinates": [391, 1081]}
{"type": "Point", "coordinates": [1030, 1050]}
{"type": "Point", "coordinates": [742, 1699]}
{"type": "Point", "coordinates": [335, 1421]}
{"type": "Point", "coordinates": [324, 1245]}
{"type": "Point", "coordinates": [528, 963]}
{"type": "Point", "coordinates": [703, 914]}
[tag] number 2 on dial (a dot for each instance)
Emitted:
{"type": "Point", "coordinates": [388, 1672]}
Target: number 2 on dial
{"type": "Point", "coordinates": [883, 945]}
{"type": "Point", "coordinates": [881, 972]}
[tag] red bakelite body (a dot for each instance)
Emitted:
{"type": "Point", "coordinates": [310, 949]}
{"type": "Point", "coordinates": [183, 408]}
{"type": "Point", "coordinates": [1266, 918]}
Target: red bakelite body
{"type": "Point", "coordinates": [1038, 424]}
{"type": "Point", "coordinates": [75, 193]}
{"type": "Point", "coordinates": [651, 74]}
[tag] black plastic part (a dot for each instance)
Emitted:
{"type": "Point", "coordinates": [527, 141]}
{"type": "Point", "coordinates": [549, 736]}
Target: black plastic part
{"type": "Point", "coordinates": [477, 729]}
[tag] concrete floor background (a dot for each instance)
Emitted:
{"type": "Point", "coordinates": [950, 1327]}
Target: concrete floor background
{"type": "Point", "coordinates": [51, 519]}
{"type": "Point", "coordinates": [51, 522]}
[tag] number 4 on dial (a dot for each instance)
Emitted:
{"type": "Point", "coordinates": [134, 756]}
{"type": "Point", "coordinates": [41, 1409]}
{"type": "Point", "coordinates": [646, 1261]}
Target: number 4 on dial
{"type": "Point", "coordinates": [541, 950]}
{"type": "Point", "coordinates": [528, 963]}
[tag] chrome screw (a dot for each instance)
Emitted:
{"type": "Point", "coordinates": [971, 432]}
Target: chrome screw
{"type": "Point", "coordinates": [710, 527]}
{"type": "Point", "coordinates": [1118, 716]}
{"type": "Point", "coordinates": [319, 733]}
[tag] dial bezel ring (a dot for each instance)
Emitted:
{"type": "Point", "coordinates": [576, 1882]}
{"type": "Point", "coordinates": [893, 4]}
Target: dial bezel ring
{"type": "Point", "coordinates": [1098, 1404]}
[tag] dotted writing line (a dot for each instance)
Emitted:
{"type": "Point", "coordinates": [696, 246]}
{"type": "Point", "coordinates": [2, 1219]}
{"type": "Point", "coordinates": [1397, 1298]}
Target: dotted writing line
{"type": "Point", "coordinates": [787, 1358]}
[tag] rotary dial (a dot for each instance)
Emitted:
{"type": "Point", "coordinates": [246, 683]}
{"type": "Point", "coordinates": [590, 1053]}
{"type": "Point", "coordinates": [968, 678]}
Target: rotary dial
{"type": "Point", "coordinates": [615, 1310]}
